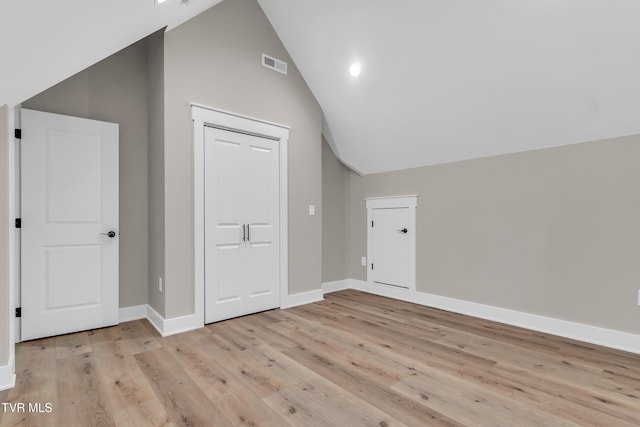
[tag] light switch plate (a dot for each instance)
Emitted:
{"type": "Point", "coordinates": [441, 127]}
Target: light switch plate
{"type": "Point", "coordinates": [363, 262]}
{"type": "Point", "coordinates": [312, 210]}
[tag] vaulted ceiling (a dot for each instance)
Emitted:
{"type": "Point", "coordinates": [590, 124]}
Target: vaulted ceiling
{"type": "Point", "coordinates": [445, 80]}
{"type": "Point", "coordinates": [441, 80]}
{"type": "Point", "coordinates": [44, 42]}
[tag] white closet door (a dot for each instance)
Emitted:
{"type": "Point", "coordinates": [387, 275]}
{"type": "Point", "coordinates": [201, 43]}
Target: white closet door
{"type": "Point", "coordinates": [69, 174]}
{"type": "Point", "coordinates": [262, 218]}
{"type": "Point", "coordinates": [241, 224]}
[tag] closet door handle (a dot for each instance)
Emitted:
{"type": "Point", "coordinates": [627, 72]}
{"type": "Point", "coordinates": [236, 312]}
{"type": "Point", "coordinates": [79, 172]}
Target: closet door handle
{"type": "Point", "coordinates": [244, 233]}
{"type": "Point", "coordinates": [248, 233]}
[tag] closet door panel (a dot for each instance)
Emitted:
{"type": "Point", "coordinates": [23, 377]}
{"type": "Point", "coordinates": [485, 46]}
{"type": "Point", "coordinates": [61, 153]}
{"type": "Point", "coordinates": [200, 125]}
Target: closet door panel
{"type": "Point", "coordinates": [225, 183]}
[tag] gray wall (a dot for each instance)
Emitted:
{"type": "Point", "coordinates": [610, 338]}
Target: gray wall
{"type": "Point", "coordinates": [335, 216]}
{"type": "Point", "coordinates": [115, 90]}
{"type": "Point", "coordinates": [155, 103]}
{"type": "Point", "coordinates": [4, 235]}
{"type": "Point", "coordinates": [553, 232]}
{"type": "Point", "coordinates": [215, 59]}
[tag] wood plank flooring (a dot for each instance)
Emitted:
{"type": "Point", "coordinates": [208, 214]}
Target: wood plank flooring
{"type": "Point", "coordinates": [353, 359]}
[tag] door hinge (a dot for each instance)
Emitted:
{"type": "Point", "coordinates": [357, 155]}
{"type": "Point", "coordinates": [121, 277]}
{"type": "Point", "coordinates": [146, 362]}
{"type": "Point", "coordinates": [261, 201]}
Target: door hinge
{"type": "Point", "coordinates": [18, 311]}
{"type": "Point", "coordinates": [18, 133]}
{"type": "Point", "coordinates": [18, 222]}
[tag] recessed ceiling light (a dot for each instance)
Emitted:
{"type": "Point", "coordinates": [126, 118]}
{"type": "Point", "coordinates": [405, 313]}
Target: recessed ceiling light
{"type": "Point", "coordinates": [160, 1]}
{"type": "Point", "coordinates": [354, 70]}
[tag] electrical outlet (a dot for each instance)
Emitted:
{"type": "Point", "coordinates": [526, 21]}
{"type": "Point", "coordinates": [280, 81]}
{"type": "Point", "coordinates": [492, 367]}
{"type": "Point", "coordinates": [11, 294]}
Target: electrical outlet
{"type": "Point", "coordinates": [363, 261]}
{"type": "Point", "coordinates": [312, 210]}
{"type": "Point", "coordinates": [160, 284]}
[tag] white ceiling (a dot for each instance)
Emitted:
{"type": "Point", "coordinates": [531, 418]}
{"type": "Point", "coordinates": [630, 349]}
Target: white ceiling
{"type": "Point", "coordinates": [43, 42]}
{"type": "Point", "coordinates": [442, 80]}
{"type": "Point", "coordinates": [446, 80]}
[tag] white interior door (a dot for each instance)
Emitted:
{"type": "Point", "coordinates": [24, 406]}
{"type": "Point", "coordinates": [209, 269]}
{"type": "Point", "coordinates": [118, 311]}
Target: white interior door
{"type": "Point", "coordinates": [391, 246]}
{"type": "Point", "coordinates": [69, 189]}
{"type": "Point", "coordinates": [241, 205]}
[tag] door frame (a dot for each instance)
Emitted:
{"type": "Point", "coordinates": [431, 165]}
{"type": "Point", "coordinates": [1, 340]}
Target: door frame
{"type": "Point", "coordinates": [8, 371]}
{"type": "Point", "coordinates": [208, 116]}
{"type": "Point", "coordinates": [391, 202]}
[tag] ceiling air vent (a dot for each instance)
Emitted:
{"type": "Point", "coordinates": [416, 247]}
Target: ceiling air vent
{"type": "Point", "coordinates": [274, 64]}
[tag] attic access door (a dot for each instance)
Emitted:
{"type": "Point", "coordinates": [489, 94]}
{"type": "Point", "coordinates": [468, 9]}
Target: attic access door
{"type": "Point", "coordinates": [391, 237]}
{"type": "Point", "coordinates": [69, 235]}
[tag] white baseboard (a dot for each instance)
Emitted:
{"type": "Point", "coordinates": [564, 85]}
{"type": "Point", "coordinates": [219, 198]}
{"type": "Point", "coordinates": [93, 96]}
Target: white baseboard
{"type": "Point", "coordinates": [155, 319]}
{"type": "Point", "coordinates": [7, 376]}
{"type": "Point", "coordinates": [577, 331]}
{"type": "Point", "coordinates": [177, 325]}
{"type": "Point", "coordinates": [135, 312]}
{"type": "Point", "coordinates": [336, 286]}
{"type": "Point", "coordinates": [172, 326]}
{"type": "Point", "coordinates": [303, 298]}
{"type": "Point", "coordinates": [166, 327]}
{"type": "Point", "coordinates": [190, 322]}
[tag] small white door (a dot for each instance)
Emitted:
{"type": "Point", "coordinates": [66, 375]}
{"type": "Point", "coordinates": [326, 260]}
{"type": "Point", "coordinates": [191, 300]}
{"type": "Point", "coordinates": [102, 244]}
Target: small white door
{"type": "Point", "coordinates": [391, 241]}
{"type": "Point", "coordinates": [241, 207]}
{"type": "Point", "coordinates": [69, 210]}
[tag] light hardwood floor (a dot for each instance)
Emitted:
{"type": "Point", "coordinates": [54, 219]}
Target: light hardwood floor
{"type": "Point", "coordinates": [354, 359]}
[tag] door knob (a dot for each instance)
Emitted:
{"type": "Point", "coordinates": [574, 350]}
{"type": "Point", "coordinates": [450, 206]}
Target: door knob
{"type": "Point", "coordinates": [404, 230]}
{"type": "Point", "coordinates": [110, 234]}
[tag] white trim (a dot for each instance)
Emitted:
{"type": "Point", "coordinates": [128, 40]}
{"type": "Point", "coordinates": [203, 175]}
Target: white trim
{"type": "Point", "coordinates": [14, 247]}
{"type": "Point", "coordinates": [577, 331]}
{"type": "Point", "coordinates": [303, 298]}
{"type": "Point", "coordinates": [7, 375]}
{"type": "Point", "coordinates": [203, 115]}
{"type": "Point", "coordinates": [241, 116]}
{"type": "Point", "coordinates": [155, 319]}
{"type": "Point", "coordinates": [136, 312]}
{"type": "Point", "coordinates": [198, 216]}
{"type": "Point", "coordinates": [338, 285]}
{"type": "Point", "coordinates": [409, 202]}
{"type": "Point", "coordinates": [178, 325]}
{"type": "Point", "coordinates": [284, 218]}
